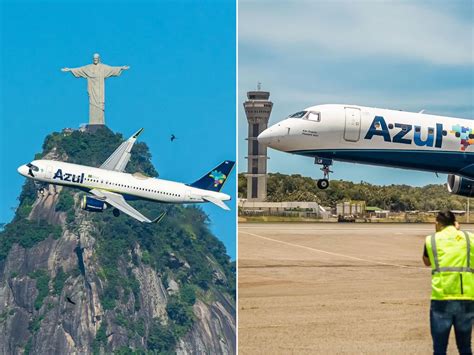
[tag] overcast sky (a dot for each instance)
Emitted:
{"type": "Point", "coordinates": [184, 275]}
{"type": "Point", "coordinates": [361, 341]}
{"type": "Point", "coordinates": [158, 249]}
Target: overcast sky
{"type": "Point", "coordinates": [402, 55]}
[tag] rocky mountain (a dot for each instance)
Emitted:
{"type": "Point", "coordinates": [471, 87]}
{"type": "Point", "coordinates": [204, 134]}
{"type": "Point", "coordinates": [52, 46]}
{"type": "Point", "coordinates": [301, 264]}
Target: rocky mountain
{"type": "Point", "coordinates": [76, 282]}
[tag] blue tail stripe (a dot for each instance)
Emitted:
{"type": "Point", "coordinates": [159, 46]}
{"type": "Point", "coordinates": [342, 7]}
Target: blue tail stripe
{"type": "Point", "coordinates": [215, 179]}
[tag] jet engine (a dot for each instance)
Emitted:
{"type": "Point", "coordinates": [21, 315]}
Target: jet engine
{"type": "Point", "coordinates": [92, 204]}
{"type": "Point", "coordinates": [460, 185]}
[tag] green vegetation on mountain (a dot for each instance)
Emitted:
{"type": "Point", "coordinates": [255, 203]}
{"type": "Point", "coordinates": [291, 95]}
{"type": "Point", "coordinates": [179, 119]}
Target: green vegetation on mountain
{"type": "Point", "coordinates": [42, 281]}
{"type": "Point", "coordinates": [94, 149]}
{"type": "Point", "coordinates": [181, 248]}
{"type": "Point", "coordinates": [59, 281]}
{"type": "Point", "coordinates": [26, 233]}
{"type": "Point", "coordinates": [281, 187]}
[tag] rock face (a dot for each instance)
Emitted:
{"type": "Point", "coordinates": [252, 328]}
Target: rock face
{"type": "Point", "coordinates": [69, 294]}
{"type": "Point", "coordinates": [215, 323]}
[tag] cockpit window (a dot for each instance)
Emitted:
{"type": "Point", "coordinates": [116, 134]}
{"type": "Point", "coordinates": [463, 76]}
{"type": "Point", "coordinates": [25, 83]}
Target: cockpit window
{"type": "Point", "coordinates": [32, 167]}
{"type": "Point", "coordinates": [314, 116]}
{"type": "Point", "coordinates": [300, 114]}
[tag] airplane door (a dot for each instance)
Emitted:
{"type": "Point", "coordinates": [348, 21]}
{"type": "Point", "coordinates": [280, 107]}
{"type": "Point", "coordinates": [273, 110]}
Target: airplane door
{"type": "Point", "coordinates": [49, 172]}
{"type": "Point", "coordinates": [352, 127]}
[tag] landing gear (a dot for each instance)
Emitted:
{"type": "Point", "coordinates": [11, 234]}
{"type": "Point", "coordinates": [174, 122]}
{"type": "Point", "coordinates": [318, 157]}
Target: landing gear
{"type": "Point", "coordinates": [323, 184]}
{"type": "Point", "coordinates": [116, 212]}
{"type": "Point", "coordinates": [40, 187]}
{"type": "Point", "coordinates": [326, 163]}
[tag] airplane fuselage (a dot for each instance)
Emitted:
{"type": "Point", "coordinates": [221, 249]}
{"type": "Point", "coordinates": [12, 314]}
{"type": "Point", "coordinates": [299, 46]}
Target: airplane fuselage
{"type": "Point", "coordinates": [379, 137]}
{"type": "Point", "coordinates": [131, 186]}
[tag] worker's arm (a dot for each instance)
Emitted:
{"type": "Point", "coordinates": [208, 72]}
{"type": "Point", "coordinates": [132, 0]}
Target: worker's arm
{"type": "Point", "coordinates": [426, 259]}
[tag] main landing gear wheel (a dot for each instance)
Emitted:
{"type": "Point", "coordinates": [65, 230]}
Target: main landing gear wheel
{"type": "Point", "coordinates": [116, 212]}
{"type": "Point", "coordinates": [323, 184]}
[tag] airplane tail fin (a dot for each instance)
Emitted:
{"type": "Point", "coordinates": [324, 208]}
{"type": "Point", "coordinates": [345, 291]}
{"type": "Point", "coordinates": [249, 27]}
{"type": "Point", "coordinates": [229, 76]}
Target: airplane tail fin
{"type": "Point", "coordinates": [215, 179]}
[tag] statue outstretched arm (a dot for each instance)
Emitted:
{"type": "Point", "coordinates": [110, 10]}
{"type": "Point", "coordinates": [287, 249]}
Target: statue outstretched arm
{"type": "Point", "coordinates": [114, 71]}
{"type": "Point", "coordinates": [80, 72]}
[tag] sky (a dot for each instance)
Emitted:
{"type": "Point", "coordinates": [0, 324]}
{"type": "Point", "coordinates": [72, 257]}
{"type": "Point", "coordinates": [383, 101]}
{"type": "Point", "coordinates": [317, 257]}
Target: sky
{"type": "Point", "coordinates": [408, 55]}
{"type": "Point", "coordinates": [182, 81]}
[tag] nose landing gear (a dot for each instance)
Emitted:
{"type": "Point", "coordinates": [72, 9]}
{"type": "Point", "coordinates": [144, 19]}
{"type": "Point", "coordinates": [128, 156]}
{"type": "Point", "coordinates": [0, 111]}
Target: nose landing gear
{"type": "Point", "coordinates": [326, 163]}
{"type": "Point", "coordinates": [40, 188]}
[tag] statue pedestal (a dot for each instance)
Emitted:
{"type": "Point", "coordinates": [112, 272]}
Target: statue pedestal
{"type": "Point", "coordinates": [92, 128]}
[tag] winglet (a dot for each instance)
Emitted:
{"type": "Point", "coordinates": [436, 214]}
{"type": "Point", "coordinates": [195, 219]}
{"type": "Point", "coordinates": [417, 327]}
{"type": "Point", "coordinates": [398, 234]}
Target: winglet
{"type": "Point", "coordinates": [422, 111]}
{"type": "Point", "coordinates": [138, 133]}
{"type": "Point", "coordinates": [118, 160]}
{"type": "Point", "coordinates": [159, 218]}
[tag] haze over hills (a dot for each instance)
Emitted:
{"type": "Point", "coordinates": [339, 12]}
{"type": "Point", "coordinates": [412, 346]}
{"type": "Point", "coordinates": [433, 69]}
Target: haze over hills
{"type": "Point", "coordinates": [72, 280]}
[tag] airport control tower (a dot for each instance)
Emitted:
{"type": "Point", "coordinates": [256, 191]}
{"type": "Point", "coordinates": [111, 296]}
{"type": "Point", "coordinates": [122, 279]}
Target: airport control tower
{"type": "Point", "coordinates": [257, 109]}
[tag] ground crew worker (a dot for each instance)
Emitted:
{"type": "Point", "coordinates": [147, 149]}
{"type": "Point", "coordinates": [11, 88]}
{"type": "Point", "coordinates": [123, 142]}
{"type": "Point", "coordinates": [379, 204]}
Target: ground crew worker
{"type": "Point", "coordinates": [450, 253]}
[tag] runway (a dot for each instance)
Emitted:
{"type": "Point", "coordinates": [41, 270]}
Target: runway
{"type": "Point", "coordinates": [334, 288]}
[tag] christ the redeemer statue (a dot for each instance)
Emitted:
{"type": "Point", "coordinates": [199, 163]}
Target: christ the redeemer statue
{"type": "Point", "coordinates": [96, 73]}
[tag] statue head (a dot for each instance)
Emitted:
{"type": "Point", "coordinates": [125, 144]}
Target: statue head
{"type": "Point", "coordinates": [96, 58]}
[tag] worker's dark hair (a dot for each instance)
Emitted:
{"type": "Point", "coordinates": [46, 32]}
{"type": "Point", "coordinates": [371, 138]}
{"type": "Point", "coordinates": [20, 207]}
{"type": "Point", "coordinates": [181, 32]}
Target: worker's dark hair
{"type": "Point", "coordinates": [446, 218]}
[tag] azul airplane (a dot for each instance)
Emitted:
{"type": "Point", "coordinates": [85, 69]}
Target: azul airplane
{"type": "Point", "coordinates": [109, 185]}
{"type": "Point", "coordinates": [376, 136]}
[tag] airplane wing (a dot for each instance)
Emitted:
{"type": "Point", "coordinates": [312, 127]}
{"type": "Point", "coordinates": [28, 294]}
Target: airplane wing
{"type": "Point", "coordinates": [217, 202]}
{"type": "Point", "coordinates": [119, 159]}
{"type": "Point", "coordinates": [117, 201]}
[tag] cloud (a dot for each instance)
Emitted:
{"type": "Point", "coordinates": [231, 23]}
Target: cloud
{"type": "Point", "coordinates": [396, 55]}
{"type": "Point", "coordinates": [290, 94]}
{"type": "Point", "coordinates": [364, 29]}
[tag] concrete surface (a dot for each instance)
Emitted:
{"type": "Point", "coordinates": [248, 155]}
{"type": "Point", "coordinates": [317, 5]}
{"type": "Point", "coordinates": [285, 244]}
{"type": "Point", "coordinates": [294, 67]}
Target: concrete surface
{"type": "Point", "coordinates": [334, 288]}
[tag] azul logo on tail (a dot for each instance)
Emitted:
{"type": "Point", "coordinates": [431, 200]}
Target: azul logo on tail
{"type": "Point", "coordinates": [218, 177]}
{"type": "Point", "coordinates": [68, 177]}
{"type": "Point", "coordinates": [431, 137]}
{"type": "Point", "coordinates": [465, 134]}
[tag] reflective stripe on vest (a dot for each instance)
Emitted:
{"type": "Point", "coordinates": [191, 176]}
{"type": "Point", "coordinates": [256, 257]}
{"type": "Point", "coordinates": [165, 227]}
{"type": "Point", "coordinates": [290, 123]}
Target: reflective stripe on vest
{"type": "Point", "coordinates": [468, 241]}
{"type": "Point", "coordinates": [438, 269]}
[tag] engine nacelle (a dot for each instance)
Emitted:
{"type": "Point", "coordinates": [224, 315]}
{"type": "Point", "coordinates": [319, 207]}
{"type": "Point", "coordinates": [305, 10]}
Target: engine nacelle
{"type": "Point", "coordinates": [92, 204]}
{"type": "Point", "coordinates": [460, 185]}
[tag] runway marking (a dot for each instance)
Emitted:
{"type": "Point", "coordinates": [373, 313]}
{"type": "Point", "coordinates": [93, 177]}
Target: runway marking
{"type": "Point", "coordinates": [335, 254]}
{"type": "Point", "coordinates": [332, 229]}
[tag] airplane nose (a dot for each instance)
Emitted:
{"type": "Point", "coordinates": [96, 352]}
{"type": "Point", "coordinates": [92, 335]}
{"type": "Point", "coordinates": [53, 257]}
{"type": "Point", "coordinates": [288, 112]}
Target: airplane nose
{"type": "Point", "coordinates": [266, 137]}
{"type": "Point", "coordinates": [271, 137]}
{"type": "Point", "coordinates": [23, 170]}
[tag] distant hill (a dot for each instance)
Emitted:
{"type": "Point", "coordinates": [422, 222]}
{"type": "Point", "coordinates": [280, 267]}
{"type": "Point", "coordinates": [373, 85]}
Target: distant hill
{"type": "Point", "coordinates": [281, 187]}
{"type": "Point", "coordinates": [76, 281]}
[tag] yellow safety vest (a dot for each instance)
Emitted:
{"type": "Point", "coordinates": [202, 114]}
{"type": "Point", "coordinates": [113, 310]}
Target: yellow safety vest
{"type": "Point", "coordinates": [451, 254]}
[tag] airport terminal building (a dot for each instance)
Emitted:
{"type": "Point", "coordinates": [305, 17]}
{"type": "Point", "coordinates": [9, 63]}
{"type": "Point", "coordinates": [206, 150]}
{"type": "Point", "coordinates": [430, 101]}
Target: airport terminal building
{"type": "Point", "coordinates": [287, 209]}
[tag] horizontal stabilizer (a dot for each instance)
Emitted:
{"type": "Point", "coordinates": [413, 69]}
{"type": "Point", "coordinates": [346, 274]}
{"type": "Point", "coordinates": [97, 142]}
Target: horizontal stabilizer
{"type": "Point", "coordinates": [217, 202]}
{"type": "Point", "coordinates": [215, 179]}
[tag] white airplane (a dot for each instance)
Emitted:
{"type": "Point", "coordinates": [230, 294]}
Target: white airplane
{"type": "Point", "coordinates": [376, 136]}
{"type": "Point", "coordinates": [109, 185]}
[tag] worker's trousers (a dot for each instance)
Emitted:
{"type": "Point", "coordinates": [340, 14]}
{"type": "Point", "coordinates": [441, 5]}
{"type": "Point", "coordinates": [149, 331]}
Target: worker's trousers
{"type": "Point", "coordinates": [447, 314]}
